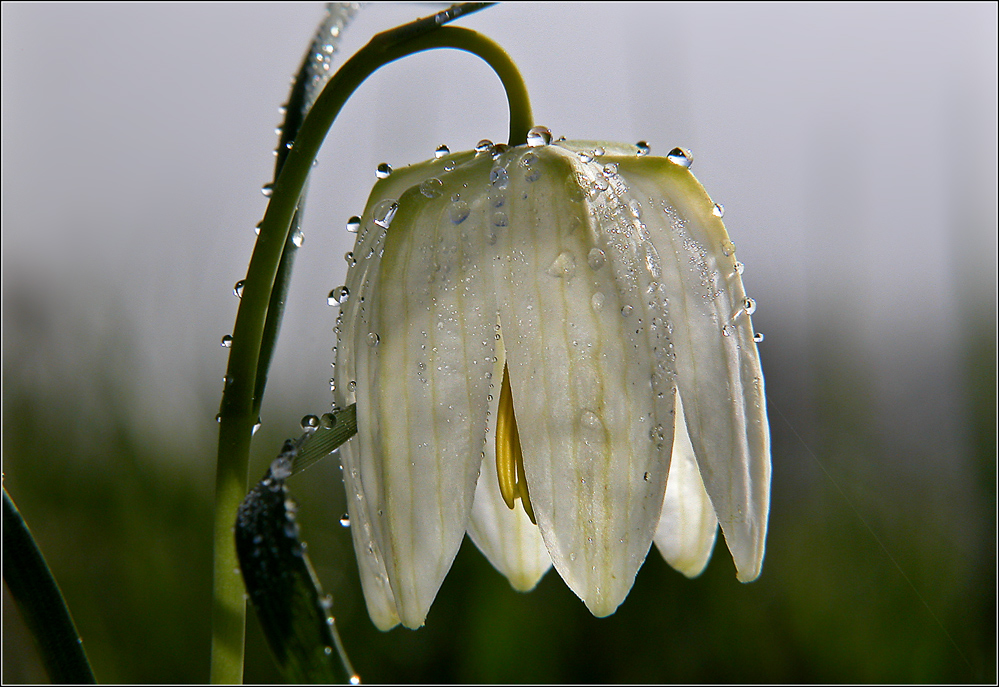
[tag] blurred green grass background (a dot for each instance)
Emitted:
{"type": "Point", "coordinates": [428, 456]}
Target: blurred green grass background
{"type": "Point", "coordinates": [854, 147]}
{"type": "Point", "coordinates": [877, 570]}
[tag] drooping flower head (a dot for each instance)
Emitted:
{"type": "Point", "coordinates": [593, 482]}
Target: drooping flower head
{"type": "Point", "coordinates": [562, 324]}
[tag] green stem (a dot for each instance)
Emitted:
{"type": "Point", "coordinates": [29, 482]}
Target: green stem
{"type": "Point", "coordinates": [241, 397]}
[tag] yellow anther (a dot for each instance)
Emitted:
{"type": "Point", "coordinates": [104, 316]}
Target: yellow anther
{"type": "Point", "coordinates": [509, 458]}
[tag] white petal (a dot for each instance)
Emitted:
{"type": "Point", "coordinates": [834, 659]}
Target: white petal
{"type": "Point", "coordinates": [718, 368]}
{"type": "Point", "coordinates": [687, 527]}
{"type": "Point", "coordinates": [508, 538]}
{"type": "Point", "coordinates": [422, 347]}
{"type": "Point", "coordinates": [586, 367]}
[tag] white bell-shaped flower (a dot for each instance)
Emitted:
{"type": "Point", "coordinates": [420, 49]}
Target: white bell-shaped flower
{"type": "Point", "coordinates": [549, 323]}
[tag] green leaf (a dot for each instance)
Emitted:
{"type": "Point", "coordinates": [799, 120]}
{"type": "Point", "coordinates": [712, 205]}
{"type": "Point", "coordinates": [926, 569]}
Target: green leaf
{"type": "Point", "coordinates": [282, 586]}
{"type": "Point", "coordinates": [37, 595]}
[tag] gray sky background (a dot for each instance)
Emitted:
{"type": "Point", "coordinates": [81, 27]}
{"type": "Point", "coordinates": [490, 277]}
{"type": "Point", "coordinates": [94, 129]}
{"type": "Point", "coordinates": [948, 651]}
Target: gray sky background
{"type": "Point", "coordinates": [853, 146]}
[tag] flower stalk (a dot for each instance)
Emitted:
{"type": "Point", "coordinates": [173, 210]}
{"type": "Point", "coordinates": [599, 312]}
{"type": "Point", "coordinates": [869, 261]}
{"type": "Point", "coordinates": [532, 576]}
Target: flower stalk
{"type": "Point", "coordinates": [243, 393]}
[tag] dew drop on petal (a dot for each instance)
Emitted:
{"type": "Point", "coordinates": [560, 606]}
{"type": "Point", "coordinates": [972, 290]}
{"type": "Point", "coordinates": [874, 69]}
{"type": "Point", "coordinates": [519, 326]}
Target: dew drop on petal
{"type": "Point", "coordinates": [610, 169]}
{"type": "Point", "coordinates": [432, 187]}
{"type": "Point", "coordinates": [338, 296]}
{"type": "Point", "coordinates": [680, 156]}
{"type": "Point", "coordinates": [500, 219]}
{"type": "Point", "coordinates": [327, 421]}
{"type": "Point", "coordinates": [384, 212]}
{"type": "Point", "coordinates": [348, 257]}
{"type": "Point", "coordinates": [597, 301]}
{"type": "Point", "coordinates": [310, 422]}
{"type": "Point", "coordinates": [739, 267]}
{"type": "Point", "coordinates": [643, 148]}
{"type": "Point", "coordinates": [626, 311]}
{"type": "Point", "coordinates": [749, 305]}
{"type": "Point", "coordinates": [590, 420]}
{"type": "Point", "coordinates": [353, 224]}
{"type": "Point", "coordinates": [499, 177]}
{"type": "Point", "coordinates": [483, 146]}
{"type": "Point", "coordinates": [458, 212]}
{"type": "Point", "coordinates": [237, 290]}
{"type": "Point", "coordinates": [539, 136]}
{"type": "Point", "coordinates": [718, 210]}
{"type": "Point", "coordinates": [383, 170]}
{"type": "Point", "coordinates": [598, 151]}
{"type": "Point", "coordinates": [227, 341]}
{"type": "Point", "coordinates": [441, 151]}
{"type": "Point", "coordinates": [345, 520]}
{"type": "Point", "coordinates": [373, 339]}
{"type": "Point", "coordinates": [727, 247]}
{"type": "Point", "coordinates": [585, 156]}
{"type": "Point", "coordinates": [596, 258]}
{"type": "Point", "coordinates": [563, 266]}
{"type": "Point", "coordinates": [758, 337]}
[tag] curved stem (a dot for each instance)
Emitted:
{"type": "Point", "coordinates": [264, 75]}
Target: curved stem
{"type": "Point", "coordinates": [241, 396]}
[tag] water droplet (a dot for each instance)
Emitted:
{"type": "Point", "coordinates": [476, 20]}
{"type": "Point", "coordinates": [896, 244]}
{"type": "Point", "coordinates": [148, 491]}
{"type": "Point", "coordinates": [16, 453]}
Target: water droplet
{"type": "Point", "coordinates": [658, 435]}
{"type": "Point", "coordinates": [328, 650]}
{"type": "Point", "coordinates": [600, 184]}
{"type": "Point", "coordinates": [680, 156]}
{"type": "Point", "coordinates": [218, 418]}
{"type": "Point", "coordinates": [256, 426]}
{"type": "Point", "coordinates": [597, 301]}
{"type": "Point", "coordinates": [458, 212]}
{"type": "Point", "coordinates": [499, 149]}
{"type": "Point", "coordinates": [610, 169]}
{"type": "Point", "coordinates": [500, 219]}
{"type": "Point", "coordinates": [256, 229]}
{"type": "Point", "coordinates": [643, 148]}
{"type": "Point", "coordinates": [345, 520]}
{"type": "Point", "coordinates": [449, 165]}
{"type": "Point", "coordinates": [563, 266]}
{"type": "Point", "coordinates": [727, 330]}
{"type": "Point", "coordinates": [483, 146]}
{"type": "Point", "coordinates": [596, 258]}
{"type": "Point", "coordinates": [528, 160]}
{"type": "Point", "coordinates": [585, 156]}
{"type": "Point", "coordinates": [310, 422]}
{"type": "Point", "coordinates": [539, 136]}
{"type": "Point", "coordinates": [353, 224]}
{"type": "Point", "coordinates": [727, 247]}
{"type": "Point", "coordinates": [499, 177]}
{"type": "Point", "coordinates": [267, 190]}
{"type": "Point", "coordinates": [598, 151]}
{"type": "Point", "coordinates": [432, 187]}
{"type": "Point", "coordinates": [718, 210]}
{"type": "Point", "coordinates": [441, 151]}
{"type": "Point", "coordinates": [351, 385]}
{"type": "Point", "coordinates": [626, 311]}
{"type": "Point", "coordinates": [227, 341]}
{"type": "Point", "coordinates": [384, 212]}
{"type": "Point", "coordinates": [749, 305]}
{"type": "Point", "coordinates": [327, 421]}
{"type": "Point", "coordinates": [636, 208]}
{"type": "Point", "coordinates": [298, 238]}
{"type": "Point", "coordinates": [646, 477]}
{"type": "Point", "coordinates": [383, 170]}
{"type": "Point", "coordinates": [373, 339]}
{"type": "Point", "coordinates": [338, 296]}
{"type": "Point", "coordinates": [739, 267]}
{"type": "Point", "coordinates": [355, 679]}
{"type": "Point", "coordinates": [572, 555]}
{"type": "Point", "coordinates": [758, 337]}
{"type": "Point", "coordinates": [348, 257]}
{"type": "Point", "coordinates": [590, 420]}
